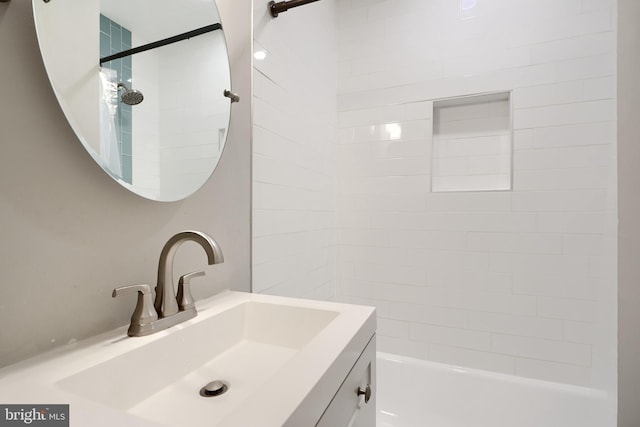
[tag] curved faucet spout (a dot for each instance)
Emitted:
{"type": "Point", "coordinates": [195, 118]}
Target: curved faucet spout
{"type": "Point", "coordinates": [165, 302]}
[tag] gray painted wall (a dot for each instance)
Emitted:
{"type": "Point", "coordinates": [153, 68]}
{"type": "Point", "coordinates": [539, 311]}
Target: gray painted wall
{"type": "Point", "coordinates": [69, 234]}
{"type": "Point", "coordinates": [629, 212]}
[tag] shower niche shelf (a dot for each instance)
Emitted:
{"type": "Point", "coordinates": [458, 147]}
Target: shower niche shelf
{"type": "Point", "coordinates": [472, 143]}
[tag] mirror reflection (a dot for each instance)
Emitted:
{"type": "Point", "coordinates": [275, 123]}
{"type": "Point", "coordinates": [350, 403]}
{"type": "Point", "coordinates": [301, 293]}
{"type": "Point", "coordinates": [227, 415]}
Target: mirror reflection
{"type": "Point", "coordinates": [144, 87]}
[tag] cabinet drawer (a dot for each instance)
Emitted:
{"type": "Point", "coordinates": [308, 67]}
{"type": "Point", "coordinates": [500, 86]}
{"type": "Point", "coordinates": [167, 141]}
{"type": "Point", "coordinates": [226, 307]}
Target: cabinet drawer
{"type": "Point", "coordinates": [348, 408]}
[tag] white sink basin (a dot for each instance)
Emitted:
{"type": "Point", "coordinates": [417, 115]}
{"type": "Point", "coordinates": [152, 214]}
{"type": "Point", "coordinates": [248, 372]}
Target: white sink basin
{"type": "Point", "coordinates": [282, 359]}
{"type": "Point", "coordinates": [244, 346]}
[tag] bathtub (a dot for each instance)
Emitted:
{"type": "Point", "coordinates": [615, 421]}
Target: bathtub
{"type": "Point", "coordinates": [417, 393]}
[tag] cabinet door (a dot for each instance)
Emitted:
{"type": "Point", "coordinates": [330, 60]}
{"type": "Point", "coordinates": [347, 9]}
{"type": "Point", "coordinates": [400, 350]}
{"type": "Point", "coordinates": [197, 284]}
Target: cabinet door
{"type": "Point", "coordinates": [348, 408]}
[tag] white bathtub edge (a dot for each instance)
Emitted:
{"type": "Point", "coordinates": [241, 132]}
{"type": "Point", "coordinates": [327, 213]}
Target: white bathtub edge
{"type": "Point", "coordinates": [570, 388]}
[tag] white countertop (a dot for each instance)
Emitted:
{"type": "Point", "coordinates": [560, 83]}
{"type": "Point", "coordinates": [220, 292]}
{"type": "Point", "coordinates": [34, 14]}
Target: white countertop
{"type": "Point", "coordinates": [295, 397]}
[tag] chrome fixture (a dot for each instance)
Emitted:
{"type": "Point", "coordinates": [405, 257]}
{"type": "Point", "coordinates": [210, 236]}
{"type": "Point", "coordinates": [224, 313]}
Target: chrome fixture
{"type": "Point", "coordinates": [130, 96]}
{"type": "Point", "coordinates": [231, 95]}
{"type": "Point", "coordinates": [283, 6]}
{"type": "Point", "coordinates": [144, 313]}
{"type": "Point", "coordinates": [168, 309]}
{"type": "Point", "coordinates": [214, 388]}
{"type": "Point", "coordinates": [166, 303]}
{"type": "Point", "coordinates": [366, 392]}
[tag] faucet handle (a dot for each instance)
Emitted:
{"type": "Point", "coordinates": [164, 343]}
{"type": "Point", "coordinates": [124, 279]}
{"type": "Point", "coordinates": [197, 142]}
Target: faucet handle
{"type": "Point", "coordinates": [185, 299]}
{"type": "Point", "coordinates": [144, 312]}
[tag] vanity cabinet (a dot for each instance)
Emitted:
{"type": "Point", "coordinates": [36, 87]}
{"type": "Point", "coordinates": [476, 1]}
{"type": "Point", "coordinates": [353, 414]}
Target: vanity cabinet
{"type": "Point", "coordinates": [354, 404]}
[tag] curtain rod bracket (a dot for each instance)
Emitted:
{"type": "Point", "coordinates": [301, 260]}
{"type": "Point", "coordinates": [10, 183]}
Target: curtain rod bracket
{"type": "Point", "coordinates": [283, 6]}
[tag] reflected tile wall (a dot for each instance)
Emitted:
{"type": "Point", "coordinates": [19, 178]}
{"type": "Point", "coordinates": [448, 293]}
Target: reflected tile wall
{"type": "Point", "coordinates": [115, 38]}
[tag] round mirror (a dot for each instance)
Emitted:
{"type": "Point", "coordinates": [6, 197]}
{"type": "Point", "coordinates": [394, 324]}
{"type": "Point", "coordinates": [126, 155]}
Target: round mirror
{"type": "Point", "coordinates": [142, 83]}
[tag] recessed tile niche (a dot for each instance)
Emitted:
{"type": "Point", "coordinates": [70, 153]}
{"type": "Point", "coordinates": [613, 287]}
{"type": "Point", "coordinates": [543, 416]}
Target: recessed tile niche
{"type": "Point", "coordinates": [472, 148]}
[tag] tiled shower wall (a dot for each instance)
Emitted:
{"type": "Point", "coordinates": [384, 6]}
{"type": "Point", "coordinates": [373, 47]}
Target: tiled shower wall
{"type": "Point", "coordinates": [520, 281]}
{"type": "Point", "coordinates": [294, 143]}
{"type": "Point", "coordinates": [115, 38]}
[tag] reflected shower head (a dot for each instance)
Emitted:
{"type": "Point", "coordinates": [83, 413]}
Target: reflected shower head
{"type": "Point", "coordinates": [131, 96]}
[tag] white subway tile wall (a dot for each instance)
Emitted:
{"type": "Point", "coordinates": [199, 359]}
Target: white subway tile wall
{"type": "Point", "coordinates": [294, 151]}
{"type": "Point", "coordinates": [519, 281]}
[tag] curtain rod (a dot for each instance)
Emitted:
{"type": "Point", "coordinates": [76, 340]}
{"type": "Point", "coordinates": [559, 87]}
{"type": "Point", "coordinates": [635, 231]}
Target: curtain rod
{"type": "Point", "coordinates": [163, 42]}
{"type": "Point", "coordinates": [283, 6]}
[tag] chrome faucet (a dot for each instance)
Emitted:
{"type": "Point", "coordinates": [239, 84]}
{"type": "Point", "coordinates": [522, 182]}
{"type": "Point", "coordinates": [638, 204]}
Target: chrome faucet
{"type": "Point", "coordinates": [166, 304]}
{"type": "Point", "coordinates": [169, 309]}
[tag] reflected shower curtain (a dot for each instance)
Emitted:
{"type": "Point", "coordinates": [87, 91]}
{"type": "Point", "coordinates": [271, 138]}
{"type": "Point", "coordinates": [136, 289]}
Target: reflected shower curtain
{"type": "Point", "coordinates": [109, 151]}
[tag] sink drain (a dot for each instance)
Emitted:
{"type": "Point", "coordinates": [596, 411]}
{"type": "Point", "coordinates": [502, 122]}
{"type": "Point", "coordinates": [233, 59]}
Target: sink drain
{"type": "Point", "coordinates": [214, 388]}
